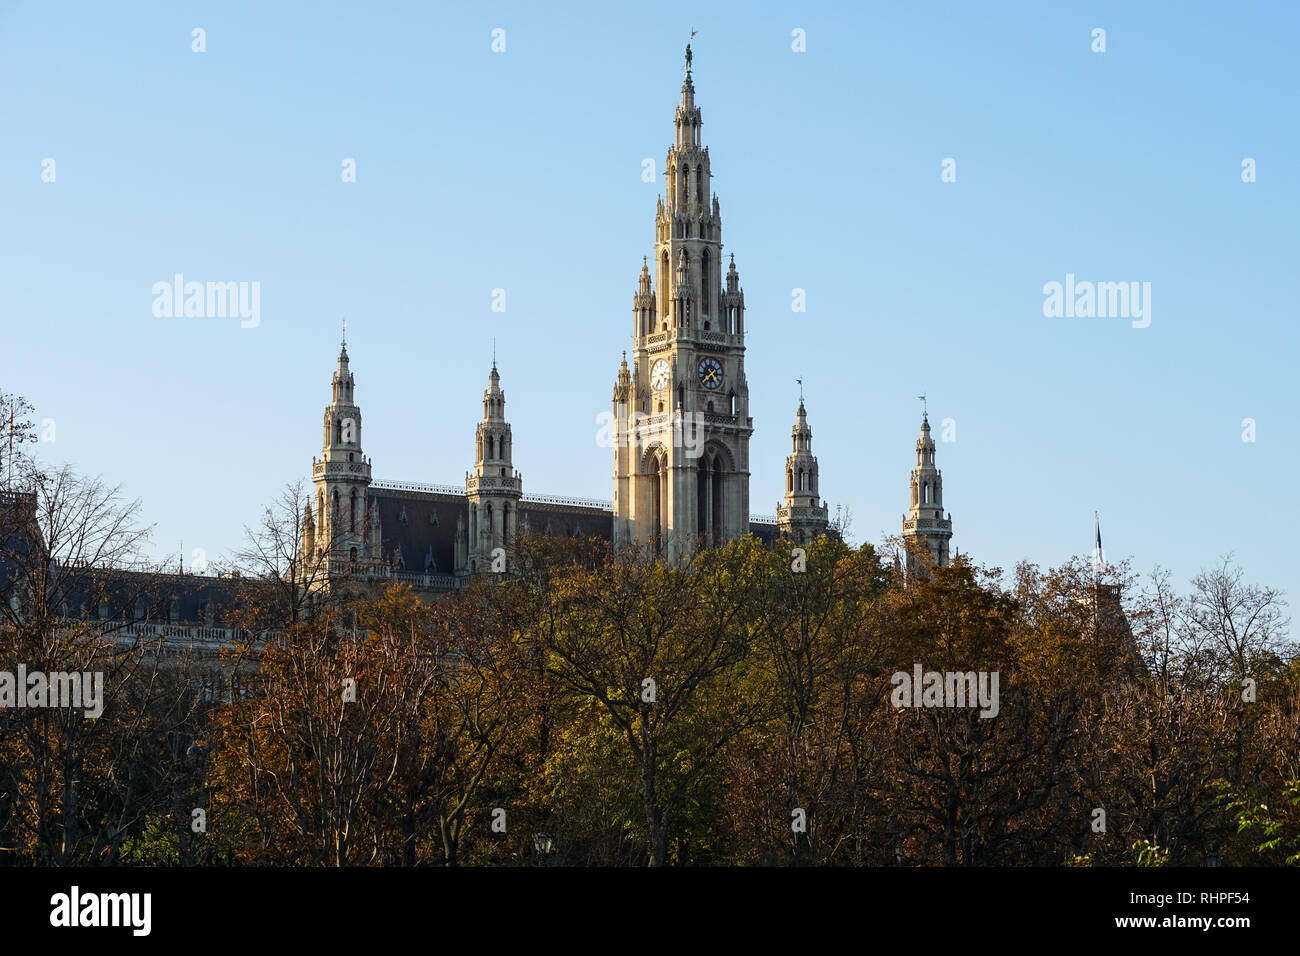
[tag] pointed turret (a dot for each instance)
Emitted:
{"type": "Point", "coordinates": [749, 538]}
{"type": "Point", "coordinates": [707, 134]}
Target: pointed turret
{"type": "Point", "coordinates": [644, 310]}
{"type": "Point", "coordinates": [342, 477]}
{"type": "Point", "coordinates": [623, 386]}
{"type": "Point", "coordinates": [803, 516]}
{"type": "Point", "coordinates": [308, 533]}
{"type": "Point", "coordinates": [926, 528]}
{"type": "Point", "coordinates": [493, 490]}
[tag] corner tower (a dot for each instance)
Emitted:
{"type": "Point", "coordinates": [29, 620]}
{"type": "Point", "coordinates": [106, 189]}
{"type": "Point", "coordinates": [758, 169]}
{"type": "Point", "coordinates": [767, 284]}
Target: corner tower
{"type": "Point", "coordinates": [343, 529]}
{"type": "Point", "coordinates": [493, 489]}
{"type": "Point", "coordinates": [926, 529]}
{"type": "Point", "coordinates": [681, 410]}
{"type": "Point", "coordinates": [804, 515]}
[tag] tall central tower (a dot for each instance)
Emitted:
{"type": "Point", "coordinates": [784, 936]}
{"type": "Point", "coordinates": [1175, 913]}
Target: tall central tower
{"type": "Point", "coordinates": [681, 410]}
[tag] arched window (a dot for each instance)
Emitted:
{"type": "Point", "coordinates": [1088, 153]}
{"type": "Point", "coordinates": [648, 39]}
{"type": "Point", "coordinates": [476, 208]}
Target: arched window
{"type": "Point", "coordinates": [663, 289]}
{"type": "Point", "coordinates": [352, 511]}
{"type": "Point", "coordinates": [715, 505]}
{"type": "Point", "coordinates": [657, 491]}
{"type": "Point", "coordinates": [334, 507]}
{"type": "Point", "coordinates": [699, 183]}
{"type": "Point", "coordinates": [705, 271]}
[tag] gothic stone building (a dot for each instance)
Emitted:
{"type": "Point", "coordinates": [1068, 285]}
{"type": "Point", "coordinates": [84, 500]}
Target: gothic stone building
{"type": "Point", "coordinates": [680, 434]}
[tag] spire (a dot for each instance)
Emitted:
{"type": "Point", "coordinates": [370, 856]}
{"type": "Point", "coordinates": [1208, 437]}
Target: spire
{"type": "Point", "coordinates": [688, 88]}
{"type": "Point", "coordinates": [494, 487]}
{"type": "Point", "coordinates": [803, 515]}
{"type": "Point", "coordinates": [343, 380]}
{"type": "Point", "coordinates": [926, 527]}
{"type": "Point", "coordinates": [1098, 556]}
{"type": "Point", "coordinates": [623, 384]}
{"type": "Point", "coordinates": [494, 400]}
{"type": "Point", "coordinates": [342, 477]}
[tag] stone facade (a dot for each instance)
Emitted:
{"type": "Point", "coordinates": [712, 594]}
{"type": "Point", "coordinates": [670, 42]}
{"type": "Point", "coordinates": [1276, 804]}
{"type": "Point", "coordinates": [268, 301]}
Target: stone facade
{"type": "Point", "coordinates": [681, 409]}
{"type": "Point", "coordinates": [926, 529]}
{"type": "Point", "coordinates": [804, 515]}
{"type": "Point", "coordinates": [680, 433]}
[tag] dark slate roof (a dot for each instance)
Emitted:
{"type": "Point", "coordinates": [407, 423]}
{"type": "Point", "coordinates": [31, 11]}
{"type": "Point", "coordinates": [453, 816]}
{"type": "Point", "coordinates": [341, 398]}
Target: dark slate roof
{"type": "Point", "coordinates": [565, 520]}
{"type": "Point", "coordinates": [176, 598]}
{"type": "Point", "coordinates": [419, 528]}
{"type": "Point", "coordinates": [420, 525]}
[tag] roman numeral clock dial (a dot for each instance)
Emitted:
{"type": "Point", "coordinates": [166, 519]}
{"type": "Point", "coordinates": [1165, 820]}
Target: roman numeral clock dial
{"type": "Point", "coordinates": [660, 375]}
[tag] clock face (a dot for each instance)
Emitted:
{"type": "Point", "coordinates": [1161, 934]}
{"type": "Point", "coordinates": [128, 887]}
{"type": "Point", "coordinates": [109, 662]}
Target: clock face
{"type": "Point", "coordinates": [710, 373]}
{"type": "Point", "coordinates": [660, 375]}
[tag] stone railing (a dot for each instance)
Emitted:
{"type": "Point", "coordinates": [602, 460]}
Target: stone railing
{"type": "Point", "coordinates": [593, 503]}
{"type": "Point", "coordinates": [421, 579]}
{"type": "Point", "coordinates": [564, 500]}
{"type": "Point", "coordinates": [196, 637]}
{"type": "Point", "coordinates": [358, 468]}
{"type": "Point", "coordinates": [927, 524]}
{"type": "Point", "coordinates": [491, 481]}
{"type": "Point", "coordinates": [418, 487]}
{"type": "Point", "coordinates": [371, 571]}
{"type": "Point", "coordinates": [800, 511]}
{"type": "Point", "coordinates": [762, 519]}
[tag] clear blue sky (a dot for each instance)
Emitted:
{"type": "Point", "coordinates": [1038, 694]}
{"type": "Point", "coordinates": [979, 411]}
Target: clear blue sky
{"type": "Point", "coordinates": [522, 170]}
